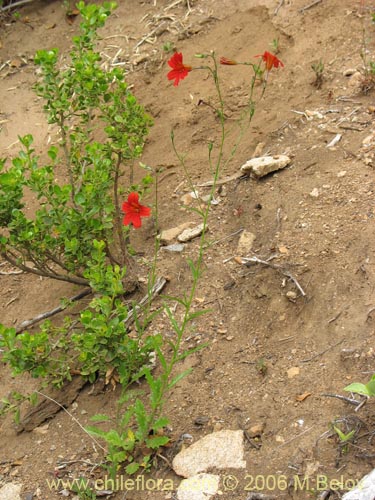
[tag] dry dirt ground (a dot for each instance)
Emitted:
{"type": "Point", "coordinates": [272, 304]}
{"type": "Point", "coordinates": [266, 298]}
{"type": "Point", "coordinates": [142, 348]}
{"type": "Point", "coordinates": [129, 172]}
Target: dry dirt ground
{"type": "Point", "coordinates": [315, 218]}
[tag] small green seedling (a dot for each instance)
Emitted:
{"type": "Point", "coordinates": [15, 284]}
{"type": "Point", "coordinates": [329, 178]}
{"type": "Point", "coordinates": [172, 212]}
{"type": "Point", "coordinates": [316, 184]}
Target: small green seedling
{"type": "Point", "coordinates": [318, 68]}
{"type": "Point", "coordinates": [363, 389]}
{"type": "Point", "coordinates": [344, 438]}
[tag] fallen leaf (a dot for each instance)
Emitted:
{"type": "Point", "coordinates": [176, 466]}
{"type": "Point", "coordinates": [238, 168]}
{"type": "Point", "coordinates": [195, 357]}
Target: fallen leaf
{"type": "Point", "coordinates": [302, 397]}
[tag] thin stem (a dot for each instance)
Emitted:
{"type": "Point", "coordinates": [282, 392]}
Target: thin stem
{"type": "Point", "coordinates": [119, 229]}
{"type": "Point", "coordinates": [70, 279]}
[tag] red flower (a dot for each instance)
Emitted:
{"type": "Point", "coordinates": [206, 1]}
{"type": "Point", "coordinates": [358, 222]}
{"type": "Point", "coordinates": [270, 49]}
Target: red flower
{"type": "Point", "coordinates": [134, 210]}
{"type": "Point", "coordinates": [271, 60]}
{"type": "Point", "coordinates": [179, 70]}
{"type": "Point", "coordinates": [228, 62]}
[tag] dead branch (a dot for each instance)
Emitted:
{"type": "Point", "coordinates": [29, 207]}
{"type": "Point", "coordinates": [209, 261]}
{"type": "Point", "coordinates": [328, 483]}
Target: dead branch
{"type": "Point", "coordinates": [351, 401]}
{"type": "Point", "coordinates": [283, 271]}
{"type": "Point", "coordinates": [13, 5]}
{"type": "Point", "coordinates": [62, 407]}
{"type": "Point", "coordinates": [155, 290]}
{"type": "Point", "coordinates": [52, 312]}
{"type": "Point", "coordinates": [323, 352]}
{"type": "Point", "coordinates": [276, 11]}
{"type": "Point", "coordinates": [312, 4]}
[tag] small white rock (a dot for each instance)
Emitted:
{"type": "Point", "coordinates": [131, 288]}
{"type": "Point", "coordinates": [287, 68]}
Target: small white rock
{"type": "Point", "coordinates": [223, 449]}
{"type": "Point", "coordinates": [315, 193]}
{"type": "Point", "coordinates": [176, 247]}
{"type": "Point", "coordinates": [245, 243]}
{"type": "Point", "coordinates": [334, 141]}
{"type": "Point", "coordinates": [10, 491]}
{"type": "Point", "coordinates": [168, 235]}
{"type": "Point", "coordinates": [365, 489]}
{"type": "Point", "coordinates": [291, 295]}
{"type": "Point", "coordinates": [342, 173]}
{"type": "Point", "coordinates": [199, 487]}
{"type": "Point", "coordinates": [191, 233]}
{"type": "Point", "coordinates": [264, 165]}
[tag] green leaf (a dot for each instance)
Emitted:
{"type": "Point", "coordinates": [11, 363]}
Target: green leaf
{"type": "Point", "coordinates": [160, 423]}
{"type": "Point", "coordinates": [371, 387]}
{"type": "Point", "coordinates": [100, 417]}
{"type": "Point", "coordinates": [197, 314]}
{"type": "Point", "coordinates": [157, 441]}
{"type": "Point", "coordinates": [358, 389]}
{"type": "Point", "coordinates": [8, 179]}
{"type": "Point", "coordinates": [344, 437]}
{"type": "Point", "coordinates": [94, 431]}
{"type": "Point", "coordinates": [132, 468]}
{"type": "Point", "coordinates": [179, 377]}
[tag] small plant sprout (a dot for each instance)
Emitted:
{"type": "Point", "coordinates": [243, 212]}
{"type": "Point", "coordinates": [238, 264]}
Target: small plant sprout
{"type": "Point", "coordinates": [367, 390]}
{"type": "Point", "coordinates": [275, 45]}
{"type": "Point", "coordinates": [168, 47]}
{"type": "Point", "coordinates": [318, 68]}
{"type": "Point", "coordinates": [344, 438]}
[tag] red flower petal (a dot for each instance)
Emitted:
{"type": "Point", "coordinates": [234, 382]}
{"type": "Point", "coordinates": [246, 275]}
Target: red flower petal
{"type": "Point", "coordinates": [134, 210]}
{"type": "Point", "coordinates": [179, 70]}
{"type": "Point", "coordinates": [270, 60]}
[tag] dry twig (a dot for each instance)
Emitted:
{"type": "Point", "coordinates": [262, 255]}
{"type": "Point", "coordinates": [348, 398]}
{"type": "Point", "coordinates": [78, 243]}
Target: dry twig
{"type": "Point", "coordinates": [13, 5]}
{"type": "Point", "coordinates": [312, 4]}
{"type": "Point", "coordinates": [48, 314]}
{"type": "Point", "coordinates": [280, 4]}
{"type": "Point", "coordinates": [351, 401]}
{"type": "Point", "coordinates": [155, 290]}
{"type": "Point", "coordinates": [283, 271]}
{"type": "Point", "coordinates": [73, 418]}
{"type": "Point", "coordinates": [322, 352]}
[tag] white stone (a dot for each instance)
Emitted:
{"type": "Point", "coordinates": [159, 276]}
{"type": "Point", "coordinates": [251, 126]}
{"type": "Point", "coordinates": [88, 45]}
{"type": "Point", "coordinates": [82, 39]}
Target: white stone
{"type": "Point", "coordinates": [315, 193]}
{"type": "Point", "coordinates": [245, 243]}
{"type": "Point", "coordinates": [199, 487]}
{"type": "Point", "coordinates": [264, 165]}
{"type": "Point", "coordinates": [334, 141]}
{"type": "Point", "coordinates": [176, 247]}
{"type": "Point", "coordinates": [222, 450]}
{"type": "Point", "coordinates": [365, 489]}
{"type": "Point", "coordinates": [11, 491]}
{"type": "Point", "coordinates": [168, 235]}
{"type": "Point", "coordinates": [189, 234]}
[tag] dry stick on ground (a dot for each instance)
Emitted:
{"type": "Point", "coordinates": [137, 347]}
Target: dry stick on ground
{"type": "Point", "coordinates": [73, 418]}
{"type": "Point", "coordinates": [281, 3]}
{"type": "Point", "coordinates": [312, 4]}
{"type": "Point", "coordinates": [351, 401]}
{"type": "Point", "coordinates": [155, 290]}
{"type": "Point", "coordinates": [48, 314]}
{"type": "Point", "coordinates": [255, 260]}
{"type": "Point", "coordinates": [13, 5]}
{"type": "Point", "coordinates": [323, 352]}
